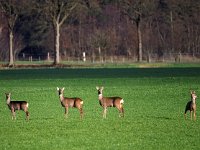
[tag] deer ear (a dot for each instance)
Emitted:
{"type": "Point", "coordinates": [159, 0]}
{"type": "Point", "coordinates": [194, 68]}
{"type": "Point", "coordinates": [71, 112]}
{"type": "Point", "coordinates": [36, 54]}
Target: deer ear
{"type": "Point", "coordinates": [97, 87]}
{"type": "Point", "coordinates": [102, 87]}
{"type": "Point", "coordinates": [192, 92]}
{"type": "Point", "coordinates": [63, 89]}
{"type": "Point", "coordinates": [57, 89]}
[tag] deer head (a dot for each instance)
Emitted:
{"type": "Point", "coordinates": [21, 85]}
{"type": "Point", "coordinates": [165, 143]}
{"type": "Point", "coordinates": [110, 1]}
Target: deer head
{"type": "Point", "coordinates": [193, 95]}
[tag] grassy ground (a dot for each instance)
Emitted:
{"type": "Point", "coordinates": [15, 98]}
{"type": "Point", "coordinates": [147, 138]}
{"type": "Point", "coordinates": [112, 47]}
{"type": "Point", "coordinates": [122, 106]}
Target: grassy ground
{"type": "Point", "coordinates": [88, 64]}
{"type": "Point", "coordinates": [155, 99]}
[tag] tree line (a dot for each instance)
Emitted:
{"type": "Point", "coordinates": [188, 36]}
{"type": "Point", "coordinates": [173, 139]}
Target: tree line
{"type": "Point", "coordinates": [133, 28]}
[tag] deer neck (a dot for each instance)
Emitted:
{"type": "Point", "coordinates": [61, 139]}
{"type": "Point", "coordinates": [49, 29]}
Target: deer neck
{"type": "Point", "coordinates": [193, 100]}
{"type": "Point", "coordinates": [61, 97]}
{"type": "Point", "coordinates": [100, 96]}
{"type": "Point", "coordinates": [8, 101]}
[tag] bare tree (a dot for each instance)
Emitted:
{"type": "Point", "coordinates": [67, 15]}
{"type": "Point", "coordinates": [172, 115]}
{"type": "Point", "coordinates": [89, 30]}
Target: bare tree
{"type": "Point", "coordinates": [58, 11]}
{"type": "Point", "coordinates": [136, 10]}
{"type": "Point", "coordinates": [100, 41]}
{"type": "Point", "coordinates": [11, 9]}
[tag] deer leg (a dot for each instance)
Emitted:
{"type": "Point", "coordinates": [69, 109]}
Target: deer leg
{"type": "Point", "coordinates": [185, 115]}
{"type": "Point", "coordinates": [191, 115]}
{"type": "Point", "coordinates": [104, 112]}
{"type": "Point", "coordinates": [194, 115]}
{"type": "Point", "coordinates": [81, 112]}
{"type": "Point", "coordinates": [27, 115]}
{"type": "Point", "coordinates": [122, 111]}
{"type": "Point", "coordinates": [66, 112]}
{"type": "Point", "coordinates": [13, 113]}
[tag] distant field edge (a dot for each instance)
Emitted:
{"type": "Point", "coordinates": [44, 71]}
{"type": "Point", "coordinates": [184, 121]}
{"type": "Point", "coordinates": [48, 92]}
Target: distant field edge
{"type": "Point", "coordinates": [100, 65]}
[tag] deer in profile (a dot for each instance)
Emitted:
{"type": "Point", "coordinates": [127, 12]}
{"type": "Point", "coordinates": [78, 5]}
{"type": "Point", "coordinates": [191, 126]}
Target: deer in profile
{"type": "Point", "coordinates": [70, 102]}
{"type": "Point", "coordinates": [110, 102]}
{"type": "Point", "coordinates": [16, 105]}
{"type": "Point", "coordinates": [191, 105]}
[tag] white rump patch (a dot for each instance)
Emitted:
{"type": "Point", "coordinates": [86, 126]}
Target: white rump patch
{"type": "Point", "coordinates": [122, 101]}
{"type": "Point", "coordinates": [81, 102]}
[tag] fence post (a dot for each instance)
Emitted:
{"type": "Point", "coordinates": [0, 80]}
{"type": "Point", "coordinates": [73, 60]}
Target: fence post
{"type": "Point", "coordinates": [111, 59]}
{"type": "Point", "coordinates": [48, 57]}
{"type": "Point", "coordinates": [23, 55]}
{"type": "Point", "coordinates": [84, 57]}
{"type": "Point", "coordinates": [30, 58]}
{"type": "Point", "coordinates": [148, 57]}
{"type": "Point", "coordinates": [179, 57]}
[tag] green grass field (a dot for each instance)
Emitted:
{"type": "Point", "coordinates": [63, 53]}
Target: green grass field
{"type": "Point", "coordinates": [155, 99]}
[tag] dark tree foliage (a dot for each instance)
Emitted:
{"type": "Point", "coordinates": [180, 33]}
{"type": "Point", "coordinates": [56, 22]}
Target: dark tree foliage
{"type": "Point", "coordinates": [102, 28]}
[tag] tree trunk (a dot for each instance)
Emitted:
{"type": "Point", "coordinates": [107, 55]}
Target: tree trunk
{"type": "Point", "coordinates": [11, 58]}
{"type": "Point", "coordinates": [57, 44]}
{"type": "Point", "coordinates": [100, 57]}
{"type": "Point", "coordinates": [172, 31]}
{"type": "Point", "coordinates": [139, 35]}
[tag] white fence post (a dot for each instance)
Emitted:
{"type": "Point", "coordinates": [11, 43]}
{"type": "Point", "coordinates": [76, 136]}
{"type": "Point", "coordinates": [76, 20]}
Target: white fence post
{"type": "Point", "coordinates": [84, 57]}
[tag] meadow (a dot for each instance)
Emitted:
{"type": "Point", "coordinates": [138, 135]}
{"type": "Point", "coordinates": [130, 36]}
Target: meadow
{"type": "Point", "coordinates": [155, 100]}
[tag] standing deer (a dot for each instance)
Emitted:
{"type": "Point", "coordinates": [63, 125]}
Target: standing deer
{"type": "Point", "coordinates": [191, 105]}
{"type": "Point", "coordinates": [16, 105]}
{"type": "Point", "coordinates": [70, 102]}
{"type": "Point", "coordinates": [110, 102]}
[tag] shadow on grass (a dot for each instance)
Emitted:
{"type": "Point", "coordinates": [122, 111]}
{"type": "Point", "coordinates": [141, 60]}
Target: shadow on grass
{"type": "Point", "coordinates": [64, 73]}
{"type": "Point", "coordinates": [160, 117]}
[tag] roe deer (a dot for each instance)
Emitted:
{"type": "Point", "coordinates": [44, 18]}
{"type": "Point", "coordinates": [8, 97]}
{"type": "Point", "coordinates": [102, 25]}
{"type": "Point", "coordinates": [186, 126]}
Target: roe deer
{"type": "Point", "coordinates": [191, 105]}
{"type": "Point", "coordinates": [16, 105]}
{"type": "Point", "coordinates": [110, 102]}
{"type": "Point", "coordinates": [70, 102]}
